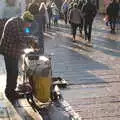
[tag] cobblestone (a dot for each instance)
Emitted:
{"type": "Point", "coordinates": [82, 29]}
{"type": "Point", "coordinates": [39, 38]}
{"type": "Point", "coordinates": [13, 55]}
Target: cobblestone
{"type": "Point", "coordinates": [93, 72]}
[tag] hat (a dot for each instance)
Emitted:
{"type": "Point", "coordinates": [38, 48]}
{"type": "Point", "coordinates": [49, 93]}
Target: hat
{"type": "Point", "coordinates": [27, 16]}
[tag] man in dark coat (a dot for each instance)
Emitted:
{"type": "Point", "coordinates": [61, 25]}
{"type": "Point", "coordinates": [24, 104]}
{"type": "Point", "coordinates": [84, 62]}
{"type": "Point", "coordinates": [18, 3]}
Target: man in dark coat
{"type": "Point", "coordinates": [89, 12]}
{"type": "Point", "coordinates": [13, 41]}
{"type": "Point", "coordinates": [113, 13]}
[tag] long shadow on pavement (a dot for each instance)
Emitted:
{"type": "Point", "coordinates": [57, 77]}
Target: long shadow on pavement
{"type": "Point", "coordinates": [108, 46]}
{"type": "Point", "coordinates": [75, 67]}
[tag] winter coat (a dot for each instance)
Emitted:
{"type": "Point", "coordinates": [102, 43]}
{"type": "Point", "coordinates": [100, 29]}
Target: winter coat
{"type": "Point", "coordinates": [113, 9]}
{"type": "Point", "coordinates": [75, 16]}
{"type": "Point", "coordinates": [55, 11]}
{"type": "Point", "coordinates": [89, 11]}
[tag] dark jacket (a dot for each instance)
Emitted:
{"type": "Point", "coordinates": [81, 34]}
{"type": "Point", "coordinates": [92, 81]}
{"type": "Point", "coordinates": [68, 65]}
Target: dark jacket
{"type": "Point", "coordinates": [13, 39]}
{"type": "Point", "coordinates": [80, 5]}
{"type": "Point", "coordinates": [113, 9]}
{"type": "Point", "coordinates": [89, 11]}
{"type": "Point", "coordinates": [75, 16]}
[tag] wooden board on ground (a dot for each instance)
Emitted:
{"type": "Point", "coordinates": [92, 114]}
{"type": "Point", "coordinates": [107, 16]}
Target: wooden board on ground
{"type": "Point", "coordinates": [26, 111]}
{"type": "Point", "coordinates": [21, 110]}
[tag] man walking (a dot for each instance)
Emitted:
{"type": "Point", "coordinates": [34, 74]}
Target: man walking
{"type": "Point", "coordinates": [89, 11]}
{"type": "Point", "coordinates": [113, 13]}
{"type": "Point", "coordinates": [64, 10]}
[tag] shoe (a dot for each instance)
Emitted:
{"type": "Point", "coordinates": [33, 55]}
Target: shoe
{"type": "Point", "coordinates": [89, 43]}
{"type": "Point", "coordinates": [85, 37]}
{"type": "Point", "coordinates": [81, 34]}
{"type": "Point", "coordinates": [112, 31]}
{"type": "Point", "coordinates": [73, 40]}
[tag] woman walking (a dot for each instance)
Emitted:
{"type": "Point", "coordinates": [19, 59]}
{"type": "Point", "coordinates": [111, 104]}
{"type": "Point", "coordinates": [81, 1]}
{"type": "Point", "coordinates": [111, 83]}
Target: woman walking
{"type": "Point", "coordinates": [75, 19]}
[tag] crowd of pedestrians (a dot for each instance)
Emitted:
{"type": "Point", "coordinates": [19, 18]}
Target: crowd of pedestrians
{"type": "Point", "coordinates": [80, 14]}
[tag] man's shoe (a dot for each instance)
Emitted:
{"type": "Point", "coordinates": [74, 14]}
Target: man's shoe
{"type": "Point", "coordinates": [81, 35]}
{"type": "Point", "coordinates": [89, 43]}
{"type": "Point", "coordinates": [86, 37]}
{"type": "Point", "coordinates": [73, 40]}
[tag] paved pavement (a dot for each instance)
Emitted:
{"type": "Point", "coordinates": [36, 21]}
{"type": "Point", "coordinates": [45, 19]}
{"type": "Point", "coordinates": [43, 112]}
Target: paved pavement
{"type": "Point", "coordinates": [93, 72]}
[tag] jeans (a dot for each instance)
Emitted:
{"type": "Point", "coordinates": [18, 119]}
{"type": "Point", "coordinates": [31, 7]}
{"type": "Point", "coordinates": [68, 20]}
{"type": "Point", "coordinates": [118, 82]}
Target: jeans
{"type": "Point", "coordinates": [74, 28]}
{"type": "Point", "coordinates": [112, 23]}
{"type": "Point", "coordinates": [65, 17]}
{"type": "Point", "coordinates": [88, 29]}
{"type": "Point", "coordinates": [11, 64]}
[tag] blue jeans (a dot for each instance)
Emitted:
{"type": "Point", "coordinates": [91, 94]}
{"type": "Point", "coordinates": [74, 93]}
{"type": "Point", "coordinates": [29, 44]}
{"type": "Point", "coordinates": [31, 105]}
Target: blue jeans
{"type": "Point", "coordinates": [113, 23]}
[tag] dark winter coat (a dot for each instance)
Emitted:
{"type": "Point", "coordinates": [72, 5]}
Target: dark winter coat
{"type": "Point", "coordinates": [113, 9]}
{"type": "Point", "coordinates": [89, 11]}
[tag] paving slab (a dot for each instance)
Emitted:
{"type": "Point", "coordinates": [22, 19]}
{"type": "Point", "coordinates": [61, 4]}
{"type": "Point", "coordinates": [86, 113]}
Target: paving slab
{"type": "Point", "coordinates": [93, 72]}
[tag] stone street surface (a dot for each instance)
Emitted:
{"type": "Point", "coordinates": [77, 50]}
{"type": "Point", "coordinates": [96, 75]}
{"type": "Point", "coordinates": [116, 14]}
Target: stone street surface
{"type": "Point", "coordinates": [92, 72]}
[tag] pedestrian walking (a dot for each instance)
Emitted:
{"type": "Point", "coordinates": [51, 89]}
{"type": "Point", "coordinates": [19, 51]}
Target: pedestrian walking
{"type": "Point", "coordinates": [38, 25]}
{"type": "Point", "coordinates": [89, 12]}
{"type": "Point", "coordinates": [55, 13]}
{"type": "Point", "coordinates": [64, 9]}
{"type": "Point", "coordinates": [75, 20]}
{"type": "Point", "coordinates": [80, 5]}
{"type": "Point", "coordinates": [44, 15]}
{"type": "Point", "coordinates": [13, 41]}
{"type": "Point", "coordinates": [49, 10]}
{"type": "Point", "coordinates": [43, 20]}
{"type": "Point", "coordinates": [113, 13]}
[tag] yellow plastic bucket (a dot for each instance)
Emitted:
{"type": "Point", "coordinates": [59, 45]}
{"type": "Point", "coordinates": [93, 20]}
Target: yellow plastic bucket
{"type": "Point", "coordinates": [42, 88]}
